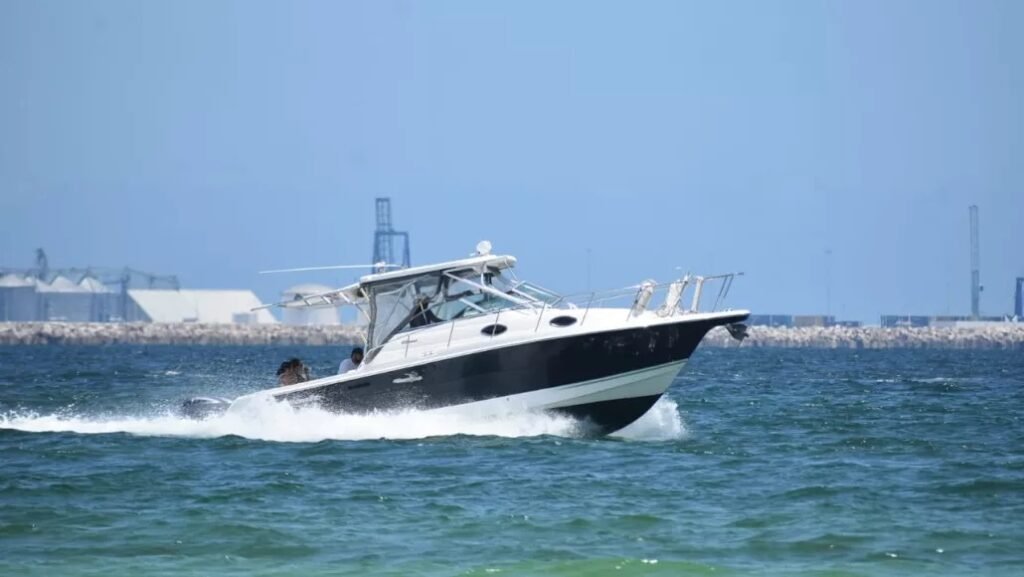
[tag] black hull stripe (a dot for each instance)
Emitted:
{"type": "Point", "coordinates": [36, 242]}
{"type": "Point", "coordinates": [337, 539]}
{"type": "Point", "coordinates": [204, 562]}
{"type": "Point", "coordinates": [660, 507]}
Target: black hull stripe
{"type": "Point", "coordinates": [512, 370]}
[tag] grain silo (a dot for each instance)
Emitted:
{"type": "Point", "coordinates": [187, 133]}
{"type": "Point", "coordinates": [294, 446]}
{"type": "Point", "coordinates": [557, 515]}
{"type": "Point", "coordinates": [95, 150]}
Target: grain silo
{"type": "Point", "coordinates": [17, 298]}
{"type": "Point", "coordinates": [103, 302]}
{"type": "Point", "coordinates": [63, 300]}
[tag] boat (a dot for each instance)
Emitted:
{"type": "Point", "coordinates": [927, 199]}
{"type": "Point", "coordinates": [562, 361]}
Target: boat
{"type": "Point", "coordinates": [468, 334]}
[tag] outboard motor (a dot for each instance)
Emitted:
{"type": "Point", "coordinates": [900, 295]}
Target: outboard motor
{"type": "Point", "coordinates": [204, 407]}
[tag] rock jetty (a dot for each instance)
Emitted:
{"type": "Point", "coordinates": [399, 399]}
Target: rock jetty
{"type": "Point", "coordinates": [46, 333]}
{"type": "Point", "coordinates": [1007, 336]}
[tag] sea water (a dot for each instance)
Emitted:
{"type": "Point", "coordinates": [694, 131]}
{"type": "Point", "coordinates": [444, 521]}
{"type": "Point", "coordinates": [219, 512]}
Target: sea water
{"type": "Point", "coordinates": [757, 462]}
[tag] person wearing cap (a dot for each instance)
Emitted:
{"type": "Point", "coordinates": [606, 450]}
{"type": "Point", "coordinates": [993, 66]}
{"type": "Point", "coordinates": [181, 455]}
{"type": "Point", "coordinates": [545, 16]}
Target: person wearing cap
{"type": "Point", "coordinates": [352, 361]}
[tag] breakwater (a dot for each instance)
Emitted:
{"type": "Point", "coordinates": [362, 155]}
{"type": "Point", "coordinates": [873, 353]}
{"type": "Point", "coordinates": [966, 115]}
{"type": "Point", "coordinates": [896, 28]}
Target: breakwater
{"type": "Point", "coordinates": [1007, 336]}
{"type": "Point", "coordinates": [172, 334]}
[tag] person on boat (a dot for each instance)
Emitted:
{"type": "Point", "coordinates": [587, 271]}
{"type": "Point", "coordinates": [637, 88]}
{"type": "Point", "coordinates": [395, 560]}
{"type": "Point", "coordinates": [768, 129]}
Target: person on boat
{"type": "Point", "coordinates": [352, 361]}
{"type": "Point", "coordinates": [423, 315]}
{"type": "Point", "coordinates": [292, 372]}
{"type": "Point", "coordinates": [281, 370]}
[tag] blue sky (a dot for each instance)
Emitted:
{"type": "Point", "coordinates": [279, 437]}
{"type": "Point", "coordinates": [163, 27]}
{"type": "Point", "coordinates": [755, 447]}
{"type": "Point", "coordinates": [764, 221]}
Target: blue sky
{"type": "Point", "coordinates": [216, 139]}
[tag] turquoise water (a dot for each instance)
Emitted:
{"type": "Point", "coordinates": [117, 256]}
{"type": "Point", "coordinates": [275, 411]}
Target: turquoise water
{"type": "Point", "coordinates": [759, 462]}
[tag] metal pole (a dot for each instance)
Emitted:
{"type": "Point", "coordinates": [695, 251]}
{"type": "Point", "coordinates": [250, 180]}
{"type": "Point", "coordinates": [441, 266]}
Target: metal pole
{"type": "Point", "coordinates": [1018, 301]}
{"type": "Point", "coordinates": [828, 282]}
{"type": "Point", "coordinates": [975, 265]}
{"type": "Point", "coordinates": [540, 316]}
{"type": "Point", "coordinates": [587, 309]}
{"type": "Point", "coordinates": [588, 269]}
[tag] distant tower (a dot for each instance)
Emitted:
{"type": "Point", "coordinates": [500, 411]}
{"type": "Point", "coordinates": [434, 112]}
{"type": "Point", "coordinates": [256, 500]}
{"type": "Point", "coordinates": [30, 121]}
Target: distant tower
{"type": "Point", "coordinates": [383, 237]}
{"type": "Point", "coordinates": [1018, 301]}
{"type": "Point", "coordinates": [975, 274]}
{"type": "Point", "coordinates": [42, 264]}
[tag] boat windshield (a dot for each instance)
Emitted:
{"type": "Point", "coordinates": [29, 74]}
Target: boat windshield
{"type": "Point", "coordinates": [464, 300]}
{"type": "Point", "coordinates": [446, 296]}
{"type": "Point", "coordinates": [392, 304]}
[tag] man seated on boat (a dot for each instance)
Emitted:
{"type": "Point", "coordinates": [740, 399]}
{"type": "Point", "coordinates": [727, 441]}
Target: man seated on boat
{"type": "Point", "coordinates": [352, 361]}
{"type": "Point", "coordinates": [423, 316]}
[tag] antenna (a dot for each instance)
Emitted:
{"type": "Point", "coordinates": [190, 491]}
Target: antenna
{"type": "Point", "coordinates": [975, 264]}
{"type": "Point", "coordinates": [377, 266]}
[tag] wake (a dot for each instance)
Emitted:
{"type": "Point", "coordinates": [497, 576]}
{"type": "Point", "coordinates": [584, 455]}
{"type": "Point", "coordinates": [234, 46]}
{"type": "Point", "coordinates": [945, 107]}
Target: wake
{"type": "Point", "coordinates": [280, 422]}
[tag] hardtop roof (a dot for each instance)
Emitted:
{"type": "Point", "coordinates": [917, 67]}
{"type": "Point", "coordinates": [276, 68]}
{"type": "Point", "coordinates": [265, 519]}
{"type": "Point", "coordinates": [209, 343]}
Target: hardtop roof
{"type": "Point", "coordinates": [475, 262]}
{"type": "Point", "coordinates": [358, 291]}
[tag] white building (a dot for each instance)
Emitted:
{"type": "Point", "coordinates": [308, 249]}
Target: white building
{"type": "Point", "coordinates": [196, 306]}
{"type": "Point", "coordinates": [308, 316]}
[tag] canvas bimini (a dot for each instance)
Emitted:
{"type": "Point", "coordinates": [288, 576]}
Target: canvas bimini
{"type": "Point", "coordinates": [469, 334]}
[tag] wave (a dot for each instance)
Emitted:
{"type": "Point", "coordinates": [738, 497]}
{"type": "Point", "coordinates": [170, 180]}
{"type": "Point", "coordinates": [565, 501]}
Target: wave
{"type": "Point", "coordinates": [271, 421]}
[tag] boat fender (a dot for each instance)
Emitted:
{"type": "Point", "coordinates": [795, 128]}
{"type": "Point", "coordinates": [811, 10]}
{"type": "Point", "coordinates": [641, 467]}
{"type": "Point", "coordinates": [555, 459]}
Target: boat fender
{"type": "Point", "coordinates": [675, 292]}
{"type": "Point", "coordinates": [643, 297]}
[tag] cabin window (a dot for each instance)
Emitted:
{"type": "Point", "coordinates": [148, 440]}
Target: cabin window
{"type": "Point", "coordinates": [563, 321]}
{"type": "Point", "coordinates": [494, 330]}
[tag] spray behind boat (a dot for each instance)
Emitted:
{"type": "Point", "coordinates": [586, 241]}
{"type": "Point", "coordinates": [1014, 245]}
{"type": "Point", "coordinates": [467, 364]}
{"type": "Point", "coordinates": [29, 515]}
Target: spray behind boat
{"type": "Point", "coordinates": [204, 407]}
{"type": "Point", "coordinates": [291, 371]}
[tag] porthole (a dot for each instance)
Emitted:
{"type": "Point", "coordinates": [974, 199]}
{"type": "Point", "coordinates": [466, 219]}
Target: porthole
{"type": "Point", "coordinates": [493, 330]}
{"type": "Point", "coordinates": [563, 321]}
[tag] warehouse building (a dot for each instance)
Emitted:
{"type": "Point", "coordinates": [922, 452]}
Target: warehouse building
{"type": "Point", "coordinates": [792, 320]}
{"type": "Point", "coordinates": [101, 294]}
{"type": "Point", "coordinates": [63, 299]}
{"type": "Point", "coordinates": [770, 320]}
{"type": "Point", "coordinates": [196, 306]}
{"type": "Point", "coordinates": [947, 321]}
{"type": "Point", "coordinates": [306, 316]}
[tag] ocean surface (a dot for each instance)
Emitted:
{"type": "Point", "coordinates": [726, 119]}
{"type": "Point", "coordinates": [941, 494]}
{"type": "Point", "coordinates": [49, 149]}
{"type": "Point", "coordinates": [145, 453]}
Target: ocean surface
{"type": "Point", "coordinates": [758, 462]}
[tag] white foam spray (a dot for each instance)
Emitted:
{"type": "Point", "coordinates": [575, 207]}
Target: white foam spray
{"type": "Point", "coordinates": [271, 421]}
{"type": "Point", "coordinates": [661, 423]}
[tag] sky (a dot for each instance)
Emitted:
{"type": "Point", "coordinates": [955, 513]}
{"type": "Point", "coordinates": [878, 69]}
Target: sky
{"type": "Point", "coordinates": [829, 150]}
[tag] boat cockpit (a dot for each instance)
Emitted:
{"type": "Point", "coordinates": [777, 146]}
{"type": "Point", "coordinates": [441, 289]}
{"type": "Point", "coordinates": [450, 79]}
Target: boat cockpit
{"type": "Point", "coordinates": [413, 301]}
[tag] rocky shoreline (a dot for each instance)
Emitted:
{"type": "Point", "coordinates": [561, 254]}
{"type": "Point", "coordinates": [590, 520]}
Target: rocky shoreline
{"type": "Point", "coordinates": [1007, 337]}
{"type": "Point", "coordinates": [52, 333]}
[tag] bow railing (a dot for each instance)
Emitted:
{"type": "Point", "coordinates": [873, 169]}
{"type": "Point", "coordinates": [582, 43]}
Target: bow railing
{"type": "Point", "coordinates": [679, 297]}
